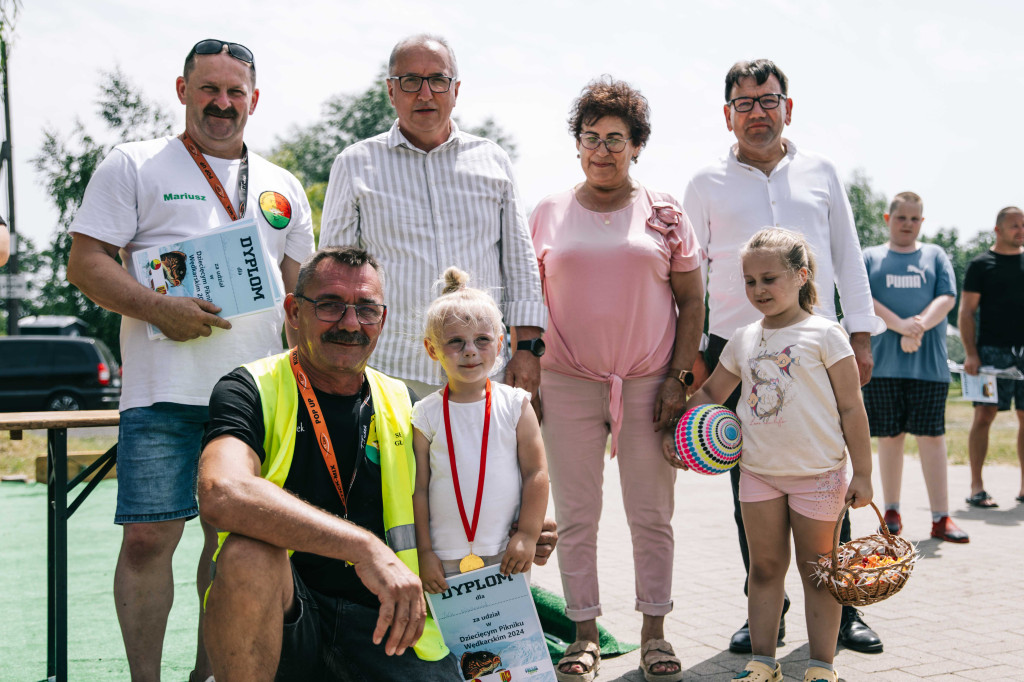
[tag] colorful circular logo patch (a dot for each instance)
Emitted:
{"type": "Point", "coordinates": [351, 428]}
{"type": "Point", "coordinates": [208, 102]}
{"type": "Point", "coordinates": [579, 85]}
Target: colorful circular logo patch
{"type": "Point", "coordinates": [276, 210]}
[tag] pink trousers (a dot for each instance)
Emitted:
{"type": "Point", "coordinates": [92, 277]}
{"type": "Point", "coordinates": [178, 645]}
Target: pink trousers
{"type": "Point", "coordinates": [576, 428]}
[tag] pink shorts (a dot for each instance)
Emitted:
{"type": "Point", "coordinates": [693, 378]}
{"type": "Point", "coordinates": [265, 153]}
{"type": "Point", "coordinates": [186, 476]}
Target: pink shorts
{"type": "Point", "coordinates": [820, 497]}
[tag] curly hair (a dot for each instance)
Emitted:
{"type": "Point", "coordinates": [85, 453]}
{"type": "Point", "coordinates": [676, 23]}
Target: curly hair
{"type": "Point", "coordinates": [606, 96]}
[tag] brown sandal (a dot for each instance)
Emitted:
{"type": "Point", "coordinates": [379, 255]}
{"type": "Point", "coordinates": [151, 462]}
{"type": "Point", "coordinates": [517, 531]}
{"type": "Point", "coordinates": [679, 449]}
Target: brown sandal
{"type": "Point", "coordinates": [655, 651]}
{"type": "Point", "coordinates": [584, 653]}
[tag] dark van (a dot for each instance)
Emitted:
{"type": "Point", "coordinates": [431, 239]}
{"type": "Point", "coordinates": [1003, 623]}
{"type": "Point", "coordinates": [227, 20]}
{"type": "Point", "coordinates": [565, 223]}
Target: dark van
{"type": "Point", "coordinates": [57, 373]}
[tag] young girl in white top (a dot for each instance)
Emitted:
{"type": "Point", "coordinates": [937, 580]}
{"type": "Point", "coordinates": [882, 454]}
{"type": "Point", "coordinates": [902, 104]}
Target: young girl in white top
{"type": "Point", "coordinates": [467, 501]}
{"type": "Point", "coordinates": [801, 412]}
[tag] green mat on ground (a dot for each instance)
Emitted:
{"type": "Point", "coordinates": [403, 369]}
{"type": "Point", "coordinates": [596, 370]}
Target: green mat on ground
{"type": "Point", "coordinates": [95, 651]}
{"type": "Point", "coordinates": [560, 631]}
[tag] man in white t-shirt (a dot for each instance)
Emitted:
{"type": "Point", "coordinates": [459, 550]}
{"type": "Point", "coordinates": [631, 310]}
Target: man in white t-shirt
{"type": "Point", "coordinates": [764, 181]}
{"type": "Point", "coordinates": [152, 193]}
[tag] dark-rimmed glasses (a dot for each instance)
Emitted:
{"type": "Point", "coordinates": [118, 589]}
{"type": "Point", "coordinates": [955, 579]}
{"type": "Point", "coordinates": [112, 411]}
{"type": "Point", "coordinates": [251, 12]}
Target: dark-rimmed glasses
{"type": "Point", "coordinates": [437, 84]}
{"type": "Point", "coordinates": [768, 102]}
{"type": "Point", "coordinates": [613, 144]}
{"type": "Point", "coordinates": [329, 310]}
{"type": "Point", "coordinates": [214, 46]}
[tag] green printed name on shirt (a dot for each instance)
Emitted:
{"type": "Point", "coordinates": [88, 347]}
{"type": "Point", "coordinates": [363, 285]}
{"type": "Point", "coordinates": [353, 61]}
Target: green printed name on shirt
{"type": "Point", "coordinates": [176, 197]}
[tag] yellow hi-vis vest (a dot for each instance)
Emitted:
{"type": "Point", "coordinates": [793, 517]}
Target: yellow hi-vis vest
{"type": "Point", "coordinates": [393, 416]}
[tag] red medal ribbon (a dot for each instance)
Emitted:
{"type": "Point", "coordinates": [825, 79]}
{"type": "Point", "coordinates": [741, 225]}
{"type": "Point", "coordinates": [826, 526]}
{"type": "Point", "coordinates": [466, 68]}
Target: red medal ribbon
{"type": "Point", "coordinates": [215, 184]}
{"type": "Point", "coordinates": [470, 529]}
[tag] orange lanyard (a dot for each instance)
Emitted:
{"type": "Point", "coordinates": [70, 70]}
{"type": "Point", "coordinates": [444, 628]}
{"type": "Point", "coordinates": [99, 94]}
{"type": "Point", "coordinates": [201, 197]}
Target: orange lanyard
{"type": "Point", "coordinates": [469, 528]}
{"type": "Point", "coordinates": [215, 185]}
{"type": "Point", "coordinates": [316, 416]}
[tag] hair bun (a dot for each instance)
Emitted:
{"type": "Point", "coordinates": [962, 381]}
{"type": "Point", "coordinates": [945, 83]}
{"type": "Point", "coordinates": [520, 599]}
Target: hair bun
{"type": "Point", "coordinates": [454, 279]}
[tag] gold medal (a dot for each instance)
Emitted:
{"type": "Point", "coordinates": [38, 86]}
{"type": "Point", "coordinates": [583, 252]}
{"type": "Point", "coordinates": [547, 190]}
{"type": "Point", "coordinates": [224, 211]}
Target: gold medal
{"type": "Point", "coordinates": [470, 562]}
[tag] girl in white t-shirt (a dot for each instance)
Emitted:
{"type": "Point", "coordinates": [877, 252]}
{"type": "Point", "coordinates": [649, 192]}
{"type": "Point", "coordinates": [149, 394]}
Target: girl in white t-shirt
{"type": "Point", "coordinates": [467, 501]}
{"type": "Point", "coordinates": [801, 411]}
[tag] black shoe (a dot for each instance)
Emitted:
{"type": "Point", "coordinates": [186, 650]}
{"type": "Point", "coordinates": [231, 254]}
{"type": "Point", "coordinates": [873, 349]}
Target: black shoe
{"type": "Point", "coordinates": [740, 642]}
{"type": "Point", "coordinates": [856, 635]}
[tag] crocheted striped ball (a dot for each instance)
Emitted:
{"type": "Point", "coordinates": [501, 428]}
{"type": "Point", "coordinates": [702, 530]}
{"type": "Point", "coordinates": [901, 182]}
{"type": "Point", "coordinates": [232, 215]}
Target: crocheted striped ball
{"type": "Point", "coordinates": [708, 439]}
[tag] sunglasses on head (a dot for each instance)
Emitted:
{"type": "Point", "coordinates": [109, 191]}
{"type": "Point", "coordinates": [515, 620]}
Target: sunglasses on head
{"type": "Point", "coordinates": [214, 46]}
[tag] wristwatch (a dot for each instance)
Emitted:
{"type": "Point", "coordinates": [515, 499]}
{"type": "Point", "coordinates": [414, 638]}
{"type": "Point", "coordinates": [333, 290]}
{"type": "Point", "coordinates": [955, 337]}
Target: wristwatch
{"type": "Point", "coordinates": [685, 376]}
{"type": "Point", "coordinates": [535, 346]}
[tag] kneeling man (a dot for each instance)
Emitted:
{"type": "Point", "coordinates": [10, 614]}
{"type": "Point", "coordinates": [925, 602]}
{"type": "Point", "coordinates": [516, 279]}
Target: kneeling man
{"type": "Point", "coordinates": [311, 450]}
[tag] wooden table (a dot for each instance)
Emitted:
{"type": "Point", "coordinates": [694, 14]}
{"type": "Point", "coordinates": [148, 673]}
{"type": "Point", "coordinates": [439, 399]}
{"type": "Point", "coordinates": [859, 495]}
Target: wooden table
{"type": "Point", "coordinates": [57, 489]}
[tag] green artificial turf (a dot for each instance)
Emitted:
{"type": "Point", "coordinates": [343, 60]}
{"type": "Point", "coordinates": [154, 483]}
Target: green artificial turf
{"type": "Point", "coordinates": [560, 631]}
{"type": "Point", "coordinates": [95, 651]}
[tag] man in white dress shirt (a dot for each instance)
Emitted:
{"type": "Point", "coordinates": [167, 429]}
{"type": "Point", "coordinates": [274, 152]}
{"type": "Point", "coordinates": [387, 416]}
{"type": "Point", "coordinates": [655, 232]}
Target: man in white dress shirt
{"type": "Point", "coordinates": [765, 181]}
{"type": "Point", "coordinates": [424, 196]}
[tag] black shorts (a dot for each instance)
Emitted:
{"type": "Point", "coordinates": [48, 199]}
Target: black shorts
{"type": "Point", "coordinates": [1002, 357]}
{"type": "Point", "coordinates": [330, 638]}
{"type": "Point", "coordinates": [913, 406]}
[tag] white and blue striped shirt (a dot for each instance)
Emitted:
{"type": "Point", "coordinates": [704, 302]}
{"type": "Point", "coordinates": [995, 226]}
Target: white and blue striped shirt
{"type": "Point", "coordinates": [419, 213]}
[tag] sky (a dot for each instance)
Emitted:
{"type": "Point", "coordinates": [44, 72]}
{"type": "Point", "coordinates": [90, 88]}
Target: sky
{"type": "Point", "coordinates": [920, 96]}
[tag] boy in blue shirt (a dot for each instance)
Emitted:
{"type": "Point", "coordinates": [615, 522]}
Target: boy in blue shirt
{"type": "Point", "coordinates": [914, 288]}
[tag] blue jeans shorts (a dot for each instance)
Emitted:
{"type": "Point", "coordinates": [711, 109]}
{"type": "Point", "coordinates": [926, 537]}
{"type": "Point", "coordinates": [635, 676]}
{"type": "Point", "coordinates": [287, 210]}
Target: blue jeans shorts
{"type": "Point", "coordinates": [330, 638]}
{"type": "Point", "coordinates": [157, 462]}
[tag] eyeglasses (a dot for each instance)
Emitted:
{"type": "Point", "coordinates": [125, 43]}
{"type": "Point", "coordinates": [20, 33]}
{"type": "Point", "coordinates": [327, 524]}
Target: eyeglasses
{"type": "Point", "coordinates": [214, 46]}
{"type": "Point", "coordinates": [613, 144]}
{"type": "Point", "coordinates": [768, 102]}
{"type": "Point", "coordinates": [334, 311]}
{"type": "Point", "coordinates": [437, 84]}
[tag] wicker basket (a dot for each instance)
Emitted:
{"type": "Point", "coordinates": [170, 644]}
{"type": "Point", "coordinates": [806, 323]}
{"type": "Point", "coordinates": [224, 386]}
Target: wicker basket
{"type": "Point", "coordinates": [855, 585]}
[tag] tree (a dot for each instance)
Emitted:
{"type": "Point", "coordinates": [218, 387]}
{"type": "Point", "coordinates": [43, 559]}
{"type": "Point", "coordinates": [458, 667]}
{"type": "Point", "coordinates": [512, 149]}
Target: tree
{"type": "Point", "coordinates": [869, 207]}
{"type": "Point", "coordinates": [66, 164]}
{"type": "Point", "coordinates": [960, 255]}
{"type": "Point", "coordinates": [309, 151]}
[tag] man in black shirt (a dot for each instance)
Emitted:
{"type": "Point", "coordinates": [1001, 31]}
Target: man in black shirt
{"type": "Point", "coordinates": [995, 283]}
{"type": "Point", "coordinates": [292, 459]}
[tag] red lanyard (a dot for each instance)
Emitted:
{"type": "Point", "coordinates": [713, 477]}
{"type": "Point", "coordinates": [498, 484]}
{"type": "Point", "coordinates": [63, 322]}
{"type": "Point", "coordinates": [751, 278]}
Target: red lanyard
{"type": "Point", "coordinates": [470, 529]}
{"type": "Point", "coordinates": [320, 429]}
{"type": "Point", "coordinates": [211, 177]}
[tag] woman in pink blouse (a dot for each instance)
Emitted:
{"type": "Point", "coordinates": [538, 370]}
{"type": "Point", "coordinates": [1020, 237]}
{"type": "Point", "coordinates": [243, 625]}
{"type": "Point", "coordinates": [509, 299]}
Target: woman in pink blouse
{"type": "Point", "coordinates": [620, 269]}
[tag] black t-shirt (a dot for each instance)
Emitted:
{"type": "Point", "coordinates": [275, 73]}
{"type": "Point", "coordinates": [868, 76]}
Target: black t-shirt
{"type": "Point", "coordinates": [1000, 281]}
{"type": "Point", "coordinates": [236, 410]}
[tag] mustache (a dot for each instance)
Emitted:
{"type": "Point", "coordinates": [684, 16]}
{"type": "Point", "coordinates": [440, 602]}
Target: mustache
{"type": "Point", "coordinates": [212, 110]}
{"type": "Point", "coordinates": [344, 336]}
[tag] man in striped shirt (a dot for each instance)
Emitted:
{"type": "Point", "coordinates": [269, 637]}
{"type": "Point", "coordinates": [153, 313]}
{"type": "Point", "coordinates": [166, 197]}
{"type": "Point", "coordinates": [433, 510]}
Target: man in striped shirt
{"type": "Point", "coordinates": [424, 196]}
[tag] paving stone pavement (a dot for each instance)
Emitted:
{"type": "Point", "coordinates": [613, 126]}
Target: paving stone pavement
{"type": "Point", "coordinates": [958, 618]}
